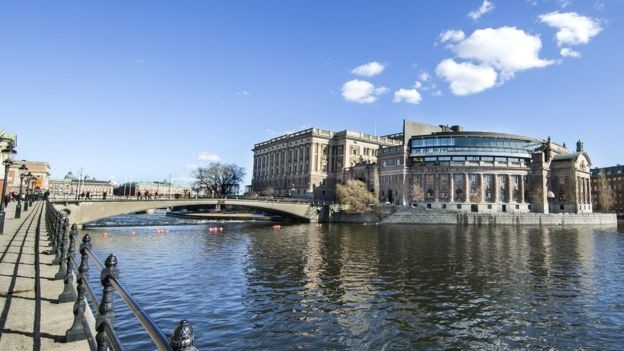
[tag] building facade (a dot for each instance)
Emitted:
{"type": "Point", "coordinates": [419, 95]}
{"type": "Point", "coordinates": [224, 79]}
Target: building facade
{"type": "Point", "coordinates": [6, 138]}
{"type": "Point", "coordinates": [440, 167]}
{"type": "Point", "coordinates": [152, 189]}
{"type": "Point", "coordinates": [41, 170]}
{"type": "Point", "coordinates": [72, 187]}
{"type": "Point", "coordinates": [307, 163]}
{"type": "Point", "coordinates": [608, 189]}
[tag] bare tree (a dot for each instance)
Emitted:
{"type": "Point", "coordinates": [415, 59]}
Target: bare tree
{"type": "Point", "coordinates": [417, 194]}
{"type": "Point", "coordinates": [536, 194]}
{"type": "Point", "coordinates": [605, 192]}
{"type": "Point", "coordinates": [219, 179]}
{"type": "Point", "coordinates": [355, 196]}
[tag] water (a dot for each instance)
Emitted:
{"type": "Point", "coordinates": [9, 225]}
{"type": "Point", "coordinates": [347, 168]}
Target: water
{"type": "Point", "coordinates": [391, 287]}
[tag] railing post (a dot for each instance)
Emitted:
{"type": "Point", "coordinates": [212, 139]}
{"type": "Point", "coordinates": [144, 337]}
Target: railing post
{"type": "Point", "coordinates": [77, 332]}
{"type": "Point", "coordinates": [68, 294]}
{"type": "Point", "coordinates": [62, 251]}
{"type": "Point", "coordinates": [183, 338]}
{"type": "Point", "coordinates": [106, 314]}
{"type": "Point", "coordinates": [61, 226]}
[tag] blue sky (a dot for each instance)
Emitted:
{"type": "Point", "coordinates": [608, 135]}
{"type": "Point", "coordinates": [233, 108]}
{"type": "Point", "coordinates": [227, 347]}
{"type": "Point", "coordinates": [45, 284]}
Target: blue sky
{"type": "Point", "coordinates": [146, 89]}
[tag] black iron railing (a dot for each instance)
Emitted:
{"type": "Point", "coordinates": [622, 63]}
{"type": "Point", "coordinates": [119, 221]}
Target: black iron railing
{"type": "Point", "coordinates": [77, 289]}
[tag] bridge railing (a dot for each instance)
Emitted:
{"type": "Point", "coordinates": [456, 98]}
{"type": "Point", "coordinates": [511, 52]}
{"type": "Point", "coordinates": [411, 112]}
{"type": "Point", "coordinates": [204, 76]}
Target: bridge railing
{"type": "Point", "coordinates": [236, 197]}
{"type": "Point", "coordinates": [78, 290]}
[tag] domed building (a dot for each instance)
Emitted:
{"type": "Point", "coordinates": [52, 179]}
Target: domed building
{"type": "Point", "coordinates": [438, 167]}
{"type": "Point", "coordinates": [451, 169]}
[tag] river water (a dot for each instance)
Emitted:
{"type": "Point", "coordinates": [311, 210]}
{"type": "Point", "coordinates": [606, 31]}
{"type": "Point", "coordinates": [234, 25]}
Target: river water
{"type": "Point", "coordinates": [355, 287]}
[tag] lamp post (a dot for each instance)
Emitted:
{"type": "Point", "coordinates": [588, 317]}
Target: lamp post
{"type": "Point", "coordinates": [32, 189]}
{"type": "Point", "coordinates": [27, 177]}
{"type": "Point", "coordinates": [10, 152]}
{"type": "Point", "coordinates": [18, 209]}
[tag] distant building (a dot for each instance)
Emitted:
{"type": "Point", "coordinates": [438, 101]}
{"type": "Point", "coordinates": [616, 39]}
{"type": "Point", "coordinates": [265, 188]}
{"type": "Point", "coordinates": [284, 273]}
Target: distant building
{"type": "Point", "coordinates": [306, 163]}
{"type": "Point", "coordinates": [152, 189]}
{"type": "Point", "coordinates": [447, 167]}
{"type": "Point", "coordinates": [41, 170]}
{"type": "Point", "coordinates": [611, 180]}
{"type": "Point", "coordinates": [5, 139]}
{"type": "Point", "coordinates": [71, 187]}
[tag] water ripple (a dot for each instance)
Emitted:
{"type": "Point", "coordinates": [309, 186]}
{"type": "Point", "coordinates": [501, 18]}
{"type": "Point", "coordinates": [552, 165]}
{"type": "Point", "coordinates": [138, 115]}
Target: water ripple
{"type": "Point", "coordinates": [340, 287]}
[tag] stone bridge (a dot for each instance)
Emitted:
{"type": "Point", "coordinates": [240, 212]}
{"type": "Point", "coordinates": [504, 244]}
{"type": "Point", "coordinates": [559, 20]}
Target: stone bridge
{"type": "Point", "coordinates": [81, 212]}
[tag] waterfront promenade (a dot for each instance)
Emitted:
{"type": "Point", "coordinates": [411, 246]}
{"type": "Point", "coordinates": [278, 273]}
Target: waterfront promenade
{"type": "Point", "coordinates": [31, 317]}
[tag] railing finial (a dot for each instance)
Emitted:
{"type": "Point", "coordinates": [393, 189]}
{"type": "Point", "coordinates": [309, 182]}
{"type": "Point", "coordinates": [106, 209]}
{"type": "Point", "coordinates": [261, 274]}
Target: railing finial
{"type": "Point", "coordinates": [183, 337]}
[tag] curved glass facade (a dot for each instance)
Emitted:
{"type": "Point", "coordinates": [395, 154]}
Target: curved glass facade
{"type": "Point", "coordinates": [471, 148]}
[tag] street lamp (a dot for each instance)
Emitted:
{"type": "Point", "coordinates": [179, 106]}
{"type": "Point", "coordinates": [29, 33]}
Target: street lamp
{"type": "Point", "coordinates": [27, 178]}
{"type": "Point", "coordinates": [32, 189]}
{"type": "Point", "coordinates": [10, 152]}
{"type": "Point", "coordinates": [18, 209]}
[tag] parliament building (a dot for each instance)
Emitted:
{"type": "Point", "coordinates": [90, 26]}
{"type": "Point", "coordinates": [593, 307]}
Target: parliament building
{"type": "Point", "coordinates": [438, 167]}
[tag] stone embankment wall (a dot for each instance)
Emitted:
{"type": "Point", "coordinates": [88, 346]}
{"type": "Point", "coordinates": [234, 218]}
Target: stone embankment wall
{"type": "Point", "coordinates": [401, 214]}
{"type": "Point", "coordinates": [420, 216]}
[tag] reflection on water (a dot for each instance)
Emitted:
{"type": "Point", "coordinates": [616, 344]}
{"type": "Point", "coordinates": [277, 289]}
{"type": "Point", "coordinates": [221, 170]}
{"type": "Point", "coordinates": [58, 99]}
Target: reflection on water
{"type": "Point", "coordinates": [373, 287]}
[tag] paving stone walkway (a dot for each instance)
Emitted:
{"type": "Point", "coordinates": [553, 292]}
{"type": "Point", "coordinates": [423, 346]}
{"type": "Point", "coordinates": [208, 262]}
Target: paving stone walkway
{"type": "Point", "coordinates": [31, 317]}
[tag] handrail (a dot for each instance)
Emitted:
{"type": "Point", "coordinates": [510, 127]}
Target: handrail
{"type": "Point", "coordinates": [63, 242]}
{"type": "Point", "coordinates": [152, 329]}
{"type": "Point", "coordinates": [112, 336]}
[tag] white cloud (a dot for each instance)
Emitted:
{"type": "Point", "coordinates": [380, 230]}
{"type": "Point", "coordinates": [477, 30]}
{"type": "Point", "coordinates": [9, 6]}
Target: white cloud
{"type": "Point", "coordinates": [242, 93]}
{"type": "Point", "coordinates": [452, 36]}
{"type": "Point", "coordinates": [485, 7]}
{"type": "Point", "coordinates": [410, 96]}
{"type": "Point", "coordinates": [361, 91]}
{"type": "Point", "coordinates": [574, 29]}
{"type": "Point", "coordinates": [417, 85]}
{"type": "Point", "coordinates": [507, 49]}
{"type": "Point", "coordinates": [565, 3]}
{"type": "Point", "coordinates": [424, 76]}
{"type": "Point", "coordinates": [466, 78]}
{"type": "Point", "coordinates": [370, 69]}
{"type": "Point", "coordinates": [208, 156]}
{"type": "Point", "coordinates": [567, 52]}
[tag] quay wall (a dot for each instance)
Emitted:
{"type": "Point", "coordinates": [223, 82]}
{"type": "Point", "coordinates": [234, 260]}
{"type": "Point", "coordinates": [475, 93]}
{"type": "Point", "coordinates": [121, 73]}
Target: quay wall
{"type": "Point", "coordinates": [411, 215]}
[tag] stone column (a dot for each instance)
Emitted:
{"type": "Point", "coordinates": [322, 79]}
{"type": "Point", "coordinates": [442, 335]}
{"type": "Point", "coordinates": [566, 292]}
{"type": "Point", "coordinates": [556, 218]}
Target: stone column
{"type": "Point", "coordinates": [436, 187]}
{"type": "Point", "coordinates": [587, 188]}
{"type": "Point", "coordinates": [467, 187]}
{"type": "Point", "coordinates": [521, 189]}
{"type": "Point", "coordinates": [482, 187]}
{"type": "Point", "coordinates": [495, 187]}
{"type": "Point", "coordinates": [509, 189]}
{"type": "Point", "coordinates": [451, 187]}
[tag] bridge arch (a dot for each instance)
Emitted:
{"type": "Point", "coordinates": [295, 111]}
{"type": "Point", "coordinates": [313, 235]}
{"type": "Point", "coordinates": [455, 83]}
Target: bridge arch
{"type": "Point", "coordinates": [81, 212]}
